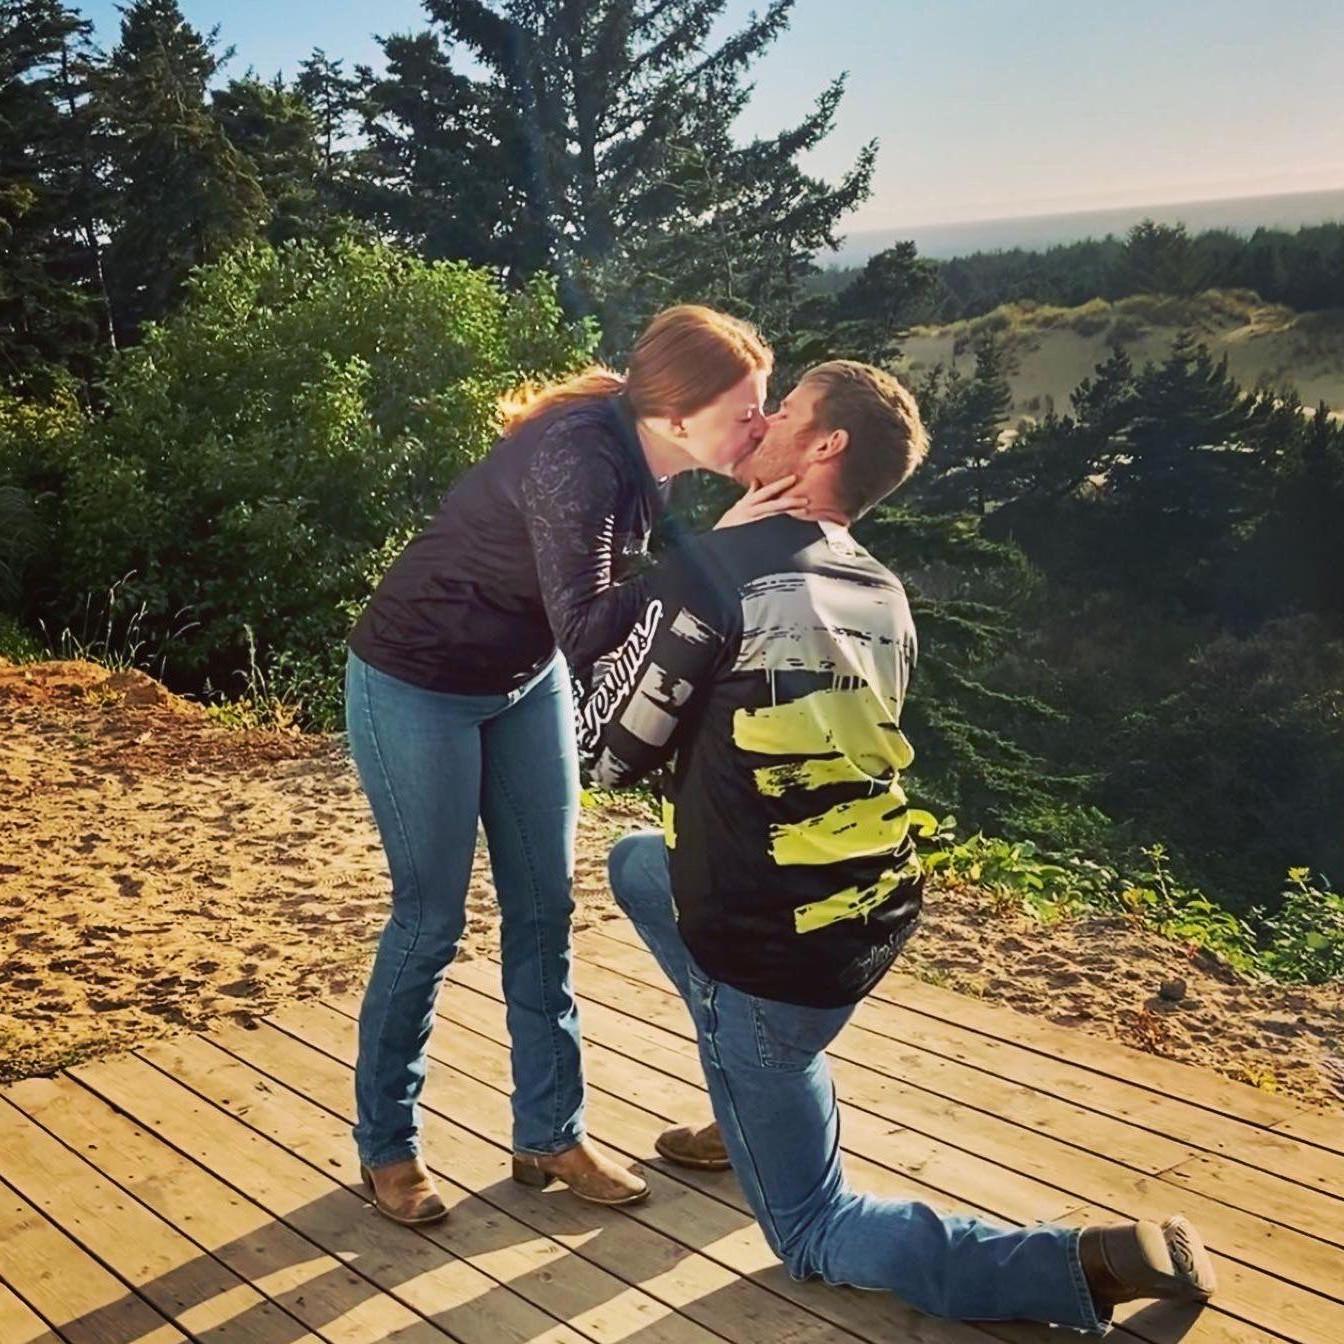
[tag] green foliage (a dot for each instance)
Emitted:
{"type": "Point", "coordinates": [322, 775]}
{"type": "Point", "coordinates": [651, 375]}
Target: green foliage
{"type": "Point", "coordinates": [185, 194]}
{"type": "Point", "coordinates": [49, 292]}
{"type": "Point", "coordinates": [276, 131]}
{"type": "Point", "coordinates": [1186, 915]}
{"type": "Point", "coordinates": [1160, 259]}
{"type": "Point", "coordinates": [1306, 934]}
{"type": "Point", "coordinates": [37, 442]}
{"type": "Point", "coordinates": [595, 141]}
{"type": "Point", "coordinates": [263, 447]}
{"type": "Point", "coordinates": [1303, 269]}
{"type": "Point", "coordinates": [18, 644]}
{"type": "Point", "coordinates": [1302, 942]}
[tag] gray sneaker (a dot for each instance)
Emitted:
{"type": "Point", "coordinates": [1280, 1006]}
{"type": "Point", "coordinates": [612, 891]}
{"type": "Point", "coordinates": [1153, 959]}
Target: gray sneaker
{"type": "Point", "coordinates": [1127, 1261]}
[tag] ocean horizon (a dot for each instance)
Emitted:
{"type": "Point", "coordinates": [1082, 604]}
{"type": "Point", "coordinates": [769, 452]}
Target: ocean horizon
{"type": "Point", "coordinates": [1241, 214]}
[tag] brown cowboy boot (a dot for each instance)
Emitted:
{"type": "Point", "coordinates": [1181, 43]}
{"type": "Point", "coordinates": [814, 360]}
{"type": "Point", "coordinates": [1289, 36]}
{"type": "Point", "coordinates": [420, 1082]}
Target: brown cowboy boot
{"type": "Point", "coordinates": [700, 1149]}
{"type": "Point", "coordinates": [404, 1192]}
{"type": "Point", "coordinates": [587, 1173]}
{"type": "Point", "coordinates": [1126, 1261]}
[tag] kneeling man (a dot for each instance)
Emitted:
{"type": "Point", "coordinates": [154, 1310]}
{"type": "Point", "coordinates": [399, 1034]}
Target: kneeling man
{"type": "Point", "coordinates": [772, 664]}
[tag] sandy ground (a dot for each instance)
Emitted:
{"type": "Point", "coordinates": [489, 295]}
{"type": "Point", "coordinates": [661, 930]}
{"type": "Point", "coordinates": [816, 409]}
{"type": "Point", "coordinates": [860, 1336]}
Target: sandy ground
{"type": "Point", "coordinates": [159, 872]}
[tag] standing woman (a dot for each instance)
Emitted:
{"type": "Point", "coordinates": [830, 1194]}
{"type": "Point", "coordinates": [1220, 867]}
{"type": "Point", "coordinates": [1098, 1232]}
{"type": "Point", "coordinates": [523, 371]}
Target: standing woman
{"type": "Point", "coordinates": [459, 710]}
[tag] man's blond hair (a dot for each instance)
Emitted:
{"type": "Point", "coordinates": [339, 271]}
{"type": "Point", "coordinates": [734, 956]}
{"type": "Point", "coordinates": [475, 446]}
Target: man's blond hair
{"type": "Point", "coordinates": [887, 440]}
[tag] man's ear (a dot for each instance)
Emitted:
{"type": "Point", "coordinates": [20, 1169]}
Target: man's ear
{"type": "Point", "coordinates": [831, 446]}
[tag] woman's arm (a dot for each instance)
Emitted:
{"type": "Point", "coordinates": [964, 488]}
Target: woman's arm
{"type": "Point", "coordinates": [573, 495]}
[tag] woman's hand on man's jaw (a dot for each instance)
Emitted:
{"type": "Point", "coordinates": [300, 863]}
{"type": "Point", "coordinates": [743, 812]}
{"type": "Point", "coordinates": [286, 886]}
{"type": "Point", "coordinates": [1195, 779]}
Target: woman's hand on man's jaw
{"type": "Point", "coordinates": [764, 501]}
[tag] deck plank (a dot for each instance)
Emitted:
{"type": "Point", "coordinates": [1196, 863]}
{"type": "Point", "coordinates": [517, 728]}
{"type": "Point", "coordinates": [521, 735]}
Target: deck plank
{"type": "Point", "coordinates": [193, 1290]}
{"type": "Point", "coordinates": [314, 1287]}
{"type": "Point", "coordinates": [1036, 1093]}
{"type": "Point", "coordinates": [416, 1268]}
{"type": "Point", "coordinates": [1061, 1062]}
{"type": "Point", "coordinates": [1166, 1077]}
{"type": "Point", "coordinates": [58, 1278]}
{"type": "Point", "coordinates": [20, 1324]}
{"type": "Point", "coordinates": [869, 1135]}
{"type": "Point", "coordinates": [1265, 1298]}
{"type": "Point", "coordinates": [205, 1189]}
{"type": "Point", "coordinates": [626, 1127]}
{"type": "Point", "coordinates": [1324, 1131]}
{"type": "Point", "coordinates": [679, 1226]}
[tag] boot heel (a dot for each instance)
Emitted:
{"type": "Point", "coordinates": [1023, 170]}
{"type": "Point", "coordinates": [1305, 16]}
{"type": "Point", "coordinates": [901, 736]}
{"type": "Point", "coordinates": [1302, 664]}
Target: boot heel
{"type": "Point", "coordinates": [529, 1173]}
{"type": "Point", "coordinates": [366, 1176]}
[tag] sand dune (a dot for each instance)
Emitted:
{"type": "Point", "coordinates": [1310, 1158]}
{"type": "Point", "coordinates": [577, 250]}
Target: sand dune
{"type": "Point", "coordinates": [1056, 348]}
{"type": "Point", "coordinates": [159, 872]}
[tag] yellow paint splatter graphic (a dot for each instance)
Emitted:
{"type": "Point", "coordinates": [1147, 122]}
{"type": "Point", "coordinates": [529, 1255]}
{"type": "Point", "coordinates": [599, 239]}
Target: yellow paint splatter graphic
{"type": "Point", "coordinates": [845, 735]}
{"type": "Point", "coordinates": [854, 723]}
{"type": "Point", "coordinates": [852, 903]}
{"type": "Point", "coordinates": [669, 823]}
{"type": "Point", "coordinates": [854, 830]}
{"type": "Point", "coordinates": [776, 780]}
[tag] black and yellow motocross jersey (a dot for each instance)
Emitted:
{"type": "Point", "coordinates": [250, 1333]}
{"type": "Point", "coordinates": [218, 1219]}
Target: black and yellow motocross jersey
{"type": "Point", "coordinates": [769, 668]}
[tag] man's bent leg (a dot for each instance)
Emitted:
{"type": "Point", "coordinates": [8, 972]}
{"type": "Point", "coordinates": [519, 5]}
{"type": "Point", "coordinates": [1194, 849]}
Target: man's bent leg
{"type": "Point", "coordinates": [776, 1107]}
{"type": "Point", "coordinates": [640, 882]}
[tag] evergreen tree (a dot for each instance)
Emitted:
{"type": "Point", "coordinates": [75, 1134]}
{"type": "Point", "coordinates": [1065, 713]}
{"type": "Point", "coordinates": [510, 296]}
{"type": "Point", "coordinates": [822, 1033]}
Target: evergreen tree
{"type": "Point", "coordinates": [333, 98]}
{"type": "Point", "coordinates": [884, 298]}
{"type": "Point", "coordinates": [966, 417]}
{"type": "Point", "coordinates": [50, 295]}
{"type": "Point", "coordinates": [745, 225]}
{"type": "Point", "coordinates": [439, 169]}
{"type": "Point", "coordinates": [1160, 260]}
{"type": "Point", "coordinates": [1053, 460]}
{"type": "Point", "coordinates": [185, 192]}
{"type": "Point", "coordinates": [603, 131]}
{"type": "Point", "coordinates": [1297, 559]}
{"type": "Point", "coordinates": [275, 129]}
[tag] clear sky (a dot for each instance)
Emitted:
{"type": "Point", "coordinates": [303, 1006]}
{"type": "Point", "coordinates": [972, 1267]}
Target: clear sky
{"type": "Point", "coordinates": [984, 108]}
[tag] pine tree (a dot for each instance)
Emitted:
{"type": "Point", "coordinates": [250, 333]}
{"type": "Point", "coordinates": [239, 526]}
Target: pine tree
{"type": "Point", "coordinates": [185, 192]}
{"type": "Point", "coordinates": [435, 172]}
{"type": "Point", "coordinates": [51, 300]}
{"type": "Point", "coordinates": [599, 147]}
{"type": "Point", "coordinates": [966, 417]}
{"type": "Point", "coordinates": [275, 129]}
{"type": "Point", "coordinates": [333, 97]}
{"type": "Point", "coordinates": [1159, 259]}
{"type": "Point", "coordinates": [882, 300]}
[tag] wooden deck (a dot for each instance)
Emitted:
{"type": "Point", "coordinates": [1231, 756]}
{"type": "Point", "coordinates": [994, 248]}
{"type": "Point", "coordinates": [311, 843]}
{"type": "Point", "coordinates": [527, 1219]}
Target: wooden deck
{"type": "Point", "coordinates": [204, 1188]}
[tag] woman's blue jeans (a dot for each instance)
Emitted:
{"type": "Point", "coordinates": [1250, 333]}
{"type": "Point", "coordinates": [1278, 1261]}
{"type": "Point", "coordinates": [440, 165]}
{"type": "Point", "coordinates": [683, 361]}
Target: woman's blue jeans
{"type": "Point", "coordinates": [770, 1085]}
{"type": "Point", "coordinates": [434, 765]}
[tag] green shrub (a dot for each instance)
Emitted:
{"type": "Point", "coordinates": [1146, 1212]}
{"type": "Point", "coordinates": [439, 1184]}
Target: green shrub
{"type": "Point", "coordinates": [1306, 934]}
{"type": "Point", "coordinates": [18, 644]}
{"type": "Point", "coordinates": [1303, 941]}
{"type": "Point", "coordinates": [262, 446]}
{"type": "Point", "coordinates": [38, 441]}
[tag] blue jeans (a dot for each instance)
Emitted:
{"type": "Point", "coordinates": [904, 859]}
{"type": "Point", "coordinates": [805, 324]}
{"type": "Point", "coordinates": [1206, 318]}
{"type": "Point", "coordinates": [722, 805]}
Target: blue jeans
{"type": "Point", "coordinates": [775, 1103]}
{"type": "Point", "coordinates": [432, 766]}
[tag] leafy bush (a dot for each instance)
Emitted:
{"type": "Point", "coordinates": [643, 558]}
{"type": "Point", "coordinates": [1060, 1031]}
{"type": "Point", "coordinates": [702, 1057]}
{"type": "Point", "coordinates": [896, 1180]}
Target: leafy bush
{"type": "Point", "coordinates": [37, 442]}
{"type": "Point", "coordinates": [1303, 941]}
{"type": "Point", "coordinates": [18, 644]}
{"type": "Point", "coordinates": [262, 446]}
{"type": "Point", "coordinates": [1306, 933]}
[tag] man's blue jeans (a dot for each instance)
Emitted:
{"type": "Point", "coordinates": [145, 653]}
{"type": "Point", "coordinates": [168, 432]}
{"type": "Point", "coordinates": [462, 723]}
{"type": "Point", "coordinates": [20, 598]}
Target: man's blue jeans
{"type": "Point", "coordinates": [775, 1103]}
{"type": "Point", "coordinates": [433, 766]}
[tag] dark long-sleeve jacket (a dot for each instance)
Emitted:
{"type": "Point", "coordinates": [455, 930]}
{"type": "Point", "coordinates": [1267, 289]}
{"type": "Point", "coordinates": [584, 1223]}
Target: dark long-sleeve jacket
{"type": "Point", "coordinates": [770, 667]}
{"type": "Point", "coordinates": [533, 547]}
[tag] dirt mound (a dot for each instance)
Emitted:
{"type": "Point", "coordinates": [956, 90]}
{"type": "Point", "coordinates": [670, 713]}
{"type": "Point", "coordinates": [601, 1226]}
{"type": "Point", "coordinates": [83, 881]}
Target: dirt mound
{"type": "Point", "coordinates": [68, 684]}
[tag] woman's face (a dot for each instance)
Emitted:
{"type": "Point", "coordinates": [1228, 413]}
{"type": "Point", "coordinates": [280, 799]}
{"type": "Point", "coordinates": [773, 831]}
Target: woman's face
{"type": "Point", "coordinates": [723, 433]}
